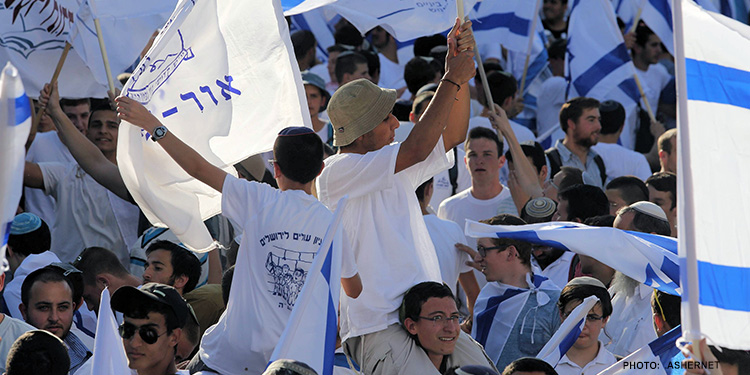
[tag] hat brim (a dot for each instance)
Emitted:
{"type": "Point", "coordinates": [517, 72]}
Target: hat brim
{"type": "Point", "coordinates": [382, 106]}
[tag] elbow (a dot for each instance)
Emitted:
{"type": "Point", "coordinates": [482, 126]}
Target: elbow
{"type": "Point", "coordinates": [352, 286]}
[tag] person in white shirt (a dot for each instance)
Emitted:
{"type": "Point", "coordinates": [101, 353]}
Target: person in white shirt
{"type": "Point", "coordinates": [619, 161]}
{"type": "Point", "coordinates": [382, 219]}
{"type": "Point", "coordinates": [587, 356]}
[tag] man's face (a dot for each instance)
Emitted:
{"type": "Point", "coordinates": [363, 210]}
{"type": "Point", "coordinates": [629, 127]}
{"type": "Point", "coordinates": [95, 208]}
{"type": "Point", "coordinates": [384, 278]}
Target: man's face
{"type": "Point", "coordinates": [562, 211]}
{"type": "Point", "coordinates": [78, 115]}
{"type": "Point", "coordinates": [551, 186]}
{"type": "Point", "coordinates": [382, 135]}
{"type": "Point", "coordinates": [159, 268]}
{"type": "Point", "coordinates": [495, 261]}
{"type": "Point", "coordinates": [615, 201]}
{"type": "Point", "coordinates": [379, 37]}
{"type": "Point", "coordinates": [438, 338]}
{"type": "Point", "coordinates": [663, 199]}
{"type": "Point", "coordinates": [585, 131]}
{"type": "Point", "coordinates": [103, 130]}
{"type": "Point", "coordinates": [92, 295]}
{"type": "Point", "coordinates": [594, 323]}
{"type": "Point", "coordinates": [156, 356]}
{"type": "Point", "coordinates": [332, 64]}
{"type": "Point", "coordinates": [554, 9]}
{"type": "Point", "coordinates": [482, 159]}
{"type": "Point", "coordinates": [314, 100]}
{"type": "Point", "coordinates": [51, 307]}
{"type": "Point", "coordinates": [361, 71]}
{"type": "Point", "coordinates": [669, 164]}
{"type": "Point", "coordinates": [545, 255]}
{"type": "Point", "coordinates": [624, 221]}
{"type": "Point", "coordinates": [651, 51]}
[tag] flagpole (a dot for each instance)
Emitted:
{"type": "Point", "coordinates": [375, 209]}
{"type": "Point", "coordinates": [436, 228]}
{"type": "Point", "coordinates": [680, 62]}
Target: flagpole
{"type": "Point", "coordinates": [686, 212]}
{"type": "Point", "coordinates": [478, 58]}
{"type": "Point", "coordinates": [637, 17]}
{"type": "Point", "coordinates": [531, 44]}
{"type": "Point", "coordinates": [102, 47]}
{"type": "Point", "coordinates": [55, 75]}
{"type": "Point", "coordinates": [645, 100]}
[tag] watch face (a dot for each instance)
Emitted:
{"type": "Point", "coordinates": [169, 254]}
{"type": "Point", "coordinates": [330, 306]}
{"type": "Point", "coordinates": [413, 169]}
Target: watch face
{"type": "Point", "coordinates": [159, 132]}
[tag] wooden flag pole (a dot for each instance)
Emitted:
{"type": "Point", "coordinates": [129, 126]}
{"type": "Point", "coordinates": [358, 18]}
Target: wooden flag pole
{"type": "Point", "coordinates": [102, 47]}
{"type": "Point", "coordinates": [528, 50]}
{"type": "Point", "coordinates": [645, 100]}
{"type": "Point", "coordinates": [637, 17]}
{"type": "Point", "coordinates": [478, 58]}
{"type": "Point", "coordinates": [60, 63]}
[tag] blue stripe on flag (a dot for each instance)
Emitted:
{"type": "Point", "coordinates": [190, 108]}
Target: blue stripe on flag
{"type": "Point", "coordinates": [331, 318]}
{"type": "Point", "coordinates": [726, 9]}
{"type": "Point", "coordinates": [724, 287]}
{"type": "Point", "coordinates": [604, 66]}
{"type": "Point", "coordinates": [665, 9]}
{"type": "Point", "coordinates": [6, 234]}
{"type": "Point", "coordinates": [515, 24]}
{"type": "Point", "coordinates": [717, 84]}
{"type": "Point", "coordinates": [665, 349]}
{"type": "Point", "coordinates": [485, 318]}
{"type": "Point", "coordinates": [630, 88]}
{"type": "Point", "coordinates": [23, 109]}
{"type": "Point", "coordinates": [668, 243]}
{"type": "Point", "coordinates": [396, 12]}
{"type": "Point", "coordinates": [289, 4]}
{"type": "Point", "coordinates": [571, 337]}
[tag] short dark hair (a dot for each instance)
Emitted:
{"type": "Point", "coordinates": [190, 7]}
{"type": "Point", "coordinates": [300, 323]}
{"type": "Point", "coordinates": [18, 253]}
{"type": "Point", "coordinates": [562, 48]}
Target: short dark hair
{"type": "Point", "coordinates": [336, 48]}
{"type": "Point", "coordinates": [347, 63]}
{"type": "Point", "coordinates": [613, 116]}
{"type": "Point", "coordinates": [417, 73]}
{"type": "Point", "coordinates": [571, 176]}
{"type": "Point", "coordinates": [420, 190]}
{"type": "Point", "coordinates": [373, 62]}
{"type": "Point", "coordinates": [300, 157]}
{"type": "Point", "coordinates": [487, 133]}
{"type": "Point", "coordinates": [573, 109]}
{"type": "Point", "coordinates": [523, 247]}
{"type": "Point", "coordinates": [416, 296]}
{"type": "Point", "coordinates": [665, 141]}
{"type": "Point", "coordinates": [95, 261]}
{"type": "Point", "coordinates": [584, 201]}
{"type": "Point", "coordinates": [37, 352]}
{"type": "Point", "coordinates": [34, 242]}
{"type": "Point", "coordinates": [533, 150]}
{"type": "Point", "coordinates": [44, 275]}
{"type": "Point", "coordinates": [740, 358]}
{"type": "Point", "coordinates": [65, 102]}
{"type": "Point", "coordinates": [423, 45]}
{"type": "Point", "coordinates": [631, 189]}
{"type": "Point", "coordinates": [664, 181]}
{"type": "Point", "coordinates": [184, 262]}
{"type": "Point", "coordinates": [502, 86]}
{"type": "Point", "coordinates": [580, 291]}
{"type": "Point", "coordinates": [667, 306]}
{"type": "Point", "coordinates": [421, 102]}
{"type": "Point", "coordinates": [642, 33]}
{"type": "Point", "coordinates": [226, 284]}
{"type": "Point", "coordinates": [146, 306]}
{"type": "Point", "coordinates": [302, 41]}
{"type": "Point", "coordinates": [607, 221]}
{"type": "Point", "coordinates": [529, 365]}
{"type": "Point", "coordinates": [647, 223]}
{"type": "Point", "coordinates": [348, 35]}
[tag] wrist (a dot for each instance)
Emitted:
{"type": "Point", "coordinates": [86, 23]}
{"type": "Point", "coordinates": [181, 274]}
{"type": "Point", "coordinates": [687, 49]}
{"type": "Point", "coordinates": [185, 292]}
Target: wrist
{"type": "Point", "coordinates": [448, 76]}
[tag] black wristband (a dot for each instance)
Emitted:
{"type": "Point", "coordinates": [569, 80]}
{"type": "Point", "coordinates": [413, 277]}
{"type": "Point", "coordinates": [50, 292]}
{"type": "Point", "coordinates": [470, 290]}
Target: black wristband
{"type": "Point", "coordinates": [447, 80]}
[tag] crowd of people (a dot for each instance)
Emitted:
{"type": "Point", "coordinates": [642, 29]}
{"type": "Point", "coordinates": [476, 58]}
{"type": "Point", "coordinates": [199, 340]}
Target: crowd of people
{"type": "Point", "coordinates": [413, 142]}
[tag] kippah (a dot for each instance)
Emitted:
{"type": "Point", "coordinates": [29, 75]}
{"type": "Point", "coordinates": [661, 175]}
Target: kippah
{"type": "Point", "coordinates": [586, 280]}
{"type": "Point", "coordinates": [609, 106]}
{"type": "Point", "coordinates": [540, 207]}
{"type": "Point", "coordinates": [295, 130]}
{"type": "Point", "coordinates": [297, 367]}
{"type": "Point", "coordinates": [25, 223]}
{"type": "Point", "coordinates": [475, 370]}
{"type": "Point", "coordinates": [650, 209]}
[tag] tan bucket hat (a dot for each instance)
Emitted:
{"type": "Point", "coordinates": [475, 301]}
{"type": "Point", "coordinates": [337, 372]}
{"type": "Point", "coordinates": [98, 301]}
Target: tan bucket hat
{"type": "Point", "coordinates": [358, 107]}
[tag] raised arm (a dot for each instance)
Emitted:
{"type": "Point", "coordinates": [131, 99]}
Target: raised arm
{"type": "Point", "coordinates": [32, 176]}
{"type": "Point", "coordinates": [452, 91]}
{"type": "Point", "coordinates": [87, 155]}
{"type": "Point", "coordinates": [191, 161]}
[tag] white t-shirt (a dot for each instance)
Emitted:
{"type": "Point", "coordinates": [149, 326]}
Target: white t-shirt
{"type": "Point", "coordinates": [601, 362]}
{"type": "Point", "coordinates": [557, 271]}
{"type": "Point", "coordinates": [655, 79]}
{"type": "Point", "coordinates": [46, 147]}
{"type": "Point", "coordinates": [464, 206]}
{"type": "Point", "coordinates": [445, 235]}
{"type": "Point", "coordinates": [392, 74]}
{"type": "Point", "coordinates": [10, 330]}
{"type": "Point", "coordinates": [384, 223]}
{"type": "Point", "coordinates": [620, 161]}
{"type": "Point", "coordinates": [550, 100]}
{"type": "Point", "coordinates": [282, 233]}
{"type": "Point", "coordinates": [85, 214]}
{"type": "Point", "coordinates": [630, 326]}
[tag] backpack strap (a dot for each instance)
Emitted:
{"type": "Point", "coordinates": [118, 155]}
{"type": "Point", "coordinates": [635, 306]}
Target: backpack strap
{"type": "Point", "coordinates": [602, 169]}
{"type": "Point", "coordinates": [555, 161]}
{"type": "Point", "coordinates": [453, 173]}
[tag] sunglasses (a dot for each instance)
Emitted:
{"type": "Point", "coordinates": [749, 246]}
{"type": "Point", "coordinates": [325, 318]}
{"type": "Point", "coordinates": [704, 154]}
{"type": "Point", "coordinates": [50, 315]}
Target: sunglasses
{"type": "Point", "coordinates": [148, 334]}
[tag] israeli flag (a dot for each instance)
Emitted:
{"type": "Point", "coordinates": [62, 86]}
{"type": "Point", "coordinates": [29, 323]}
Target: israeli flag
{"type": "Point", "coordinates": [15, 123]}
{"type": "Point", "coordinates": [537, 72]}
{"type": "Point", "coordinates": [715, 82]}
{"type": "Point", "coordinates": [648, 258]}
{"type": "Point", "coordinates": [507, 22]}
{"type": "Point", "coordinates": [310, 334]}
{"type": "Point", "coordinates": [659, 357]}
{"type": "Point", "coordinates": [597, 63]}
{"type": "Point", "coordinates": [568, 333]}
{"type": "Point", "coordinates": [321, 23]}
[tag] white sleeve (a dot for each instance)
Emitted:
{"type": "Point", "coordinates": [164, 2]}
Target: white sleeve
{"type": "Point", "coordinates": [53, 173]}
{"type": "Point", "coordinates": [642, 169]}
{"type": "Point", "coordinates": [436, 162]}
{"type": "Point", "coordinates": [240, 199]}
{"type": "Point", "coordinates": [348, 265]}
{"type": "Point", "coordinates": [357, 175]}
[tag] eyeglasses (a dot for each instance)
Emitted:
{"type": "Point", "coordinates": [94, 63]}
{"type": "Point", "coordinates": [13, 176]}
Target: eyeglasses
{"type": "Point", "coordinates": [590, 318]}
{"type": "Point", "coordinates": [148, 334]}
{"type": "Point", "coordinates": [483, 250]}
{"type": "Point", "coordinates": [442, 320]}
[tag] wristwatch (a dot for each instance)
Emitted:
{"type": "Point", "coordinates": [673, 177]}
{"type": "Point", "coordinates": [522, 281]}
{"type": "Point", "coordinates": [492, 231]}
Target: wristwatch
{"type": "Point", "coordinates": [159, 133]}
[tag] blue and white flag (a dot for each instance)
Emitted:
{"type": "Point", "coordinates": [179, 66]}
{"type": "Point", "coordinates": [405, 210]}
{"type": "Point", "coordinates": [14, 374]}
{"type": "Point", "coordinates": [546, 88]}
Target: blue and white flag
{"type": "Point", "coordinates": [126, 29]}
{"type": "Point", "coordinates": [223, 85]}
{"type": "Point", "coordinates": [310, 334]}
{"type": "Point", "coordinates": [109, 353]}
{"type": "Point", "coordinates": [648, 258]}
{"type": "Point", "coordinates": [321, 22]}
{"type": "Point", "coordinates": [506, 22]}
{"type": "Point", "coordinates": [568, 333]}
{"type": "Point", "coordinates": [659, 357]}
{"type": "Point", "coordinates": [715, 82]}
{"type": "Point", "coordinates": [597, 63]}
{"type": "Point", "coordinates": [15, 123]}
{"type": "Point", "coordinates": [538, 71]}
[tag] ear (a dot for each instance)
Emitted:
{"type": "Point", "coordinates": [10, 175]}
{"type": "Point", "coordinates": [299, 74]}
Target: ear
{"type": "Point", "coordinates": [176, 336]}
{"type": "Point", "coordinates": [429, 189]}
{"type": "Point", "coordinates": [180, 281]}
{"type": "Point", "coordinates": [571, 125]}
{"type": "Point", "coordinates": [322, 165]}
{"type": "Point", "coordinates": [543, 173]}
{"type": "Point", "coordinates": [104, 281]}
{"type": "Point", "coordinates": [663, 156]}
{"type": "Point", "coordinates": [500, 162]}
{"type": "Point", "coordinates": [512, 252]}
{"type": "Point", "coordinates": [507, 102]}
{"type": "Point", "coordinates": [411, 326]}
{"type": "Point", "coordinates": [412, 117]}
{"type": "Point", "coordinates": [659, 322]}
{"type": "Point", "coordinates": [22, 307]}
{"type": "Point", "coordinates": [9, 251]}
{"type": "Point", "coordinates": [276, 171]}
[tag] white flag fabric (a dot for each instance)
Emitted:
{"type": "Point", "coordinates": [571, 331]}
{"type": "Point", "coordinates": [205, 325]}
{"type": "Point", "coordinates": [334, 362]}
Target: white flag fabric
{"type": "Point", "coordinates": [716, 50]}
{"type": "Point", "coordinates": [508, 22]}
{"type": "Point", "coordinates": [109, 354]}
{"type": "Point", "coordinates": [659, 357]}
{"type": "Point", "coordinates": [597, 63]}
{"type": "Point", "coordinates": [648, 258]}
{"type": "Point", "coordinates": [32, 37]}
{"type": "Point", "coordinates": [310, 334]}
{"type": "Point", "coordinates": [568, 333]}
{"type": "Point", "coordinates": [226, 87]}
{"type": "Point", "coordinates": [15, 123]}
{"type": "Point", "coordinates": [126, 29]}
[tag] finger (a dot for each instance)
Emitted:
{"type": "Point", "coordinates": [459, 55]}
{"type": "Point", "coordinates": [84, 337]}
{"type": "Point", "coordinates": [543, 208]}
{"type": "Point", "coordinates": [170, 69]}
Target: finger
{"type": "Point", "coordinates": [452, 47]}
{"type": "Point", "coordinates": [454, 29]}
{"type": "Point", "coordinates": [474, 265]}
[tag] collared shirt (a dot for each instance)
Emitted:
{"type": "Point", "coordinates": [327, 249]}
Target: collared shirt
{"type": "Point", "coordinates": [557, 271]}
{"type": "Point", "coordinates": [630, 326]}
{"type": "Point", "coordinates": [591, 173]}
{"type": "Point", "coordinates": [77, 351]}
{"type": "Point", "coordinates": [602, 360]}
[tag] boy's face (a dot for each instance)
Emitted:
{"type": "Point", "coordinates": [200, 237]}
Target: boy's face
{"type": "Point", "coordinates": [594, 323]}
{"type": "Point", "coordinates": [143, 356]}
{"type": "Point", "coordinates": [438, 337]}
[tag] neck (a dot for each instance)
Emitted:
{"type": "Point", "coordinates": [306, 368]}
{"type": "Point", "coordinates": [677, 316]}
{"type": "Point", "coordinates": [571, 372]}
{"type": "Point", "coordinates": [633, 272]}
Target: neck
{"type": "Point", "coordinates": [287, 184]}
{"type": "Point", "coordinates": [640, 64]}
{"type": "Point", "coordinates": [423, 206]}
{"type": "Point", "coordinates": [317, 123]}
{"type": "Point", "coordinates": [485, 189]}
{"type": "Point", "coordinates": [436, 359]}
{"type": "Point", "coordinates": [518, 278]}
{"type": "Point", "coordinates": [390, 51]}
{"type": "Point", "coordinates": [354, 148]}
{"type": "Point", "coordinates": [609, 138]}
{"type": "Point", "coordinates": [580, 151]}
{"type": "Point", "coordinates": [582, 356]}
